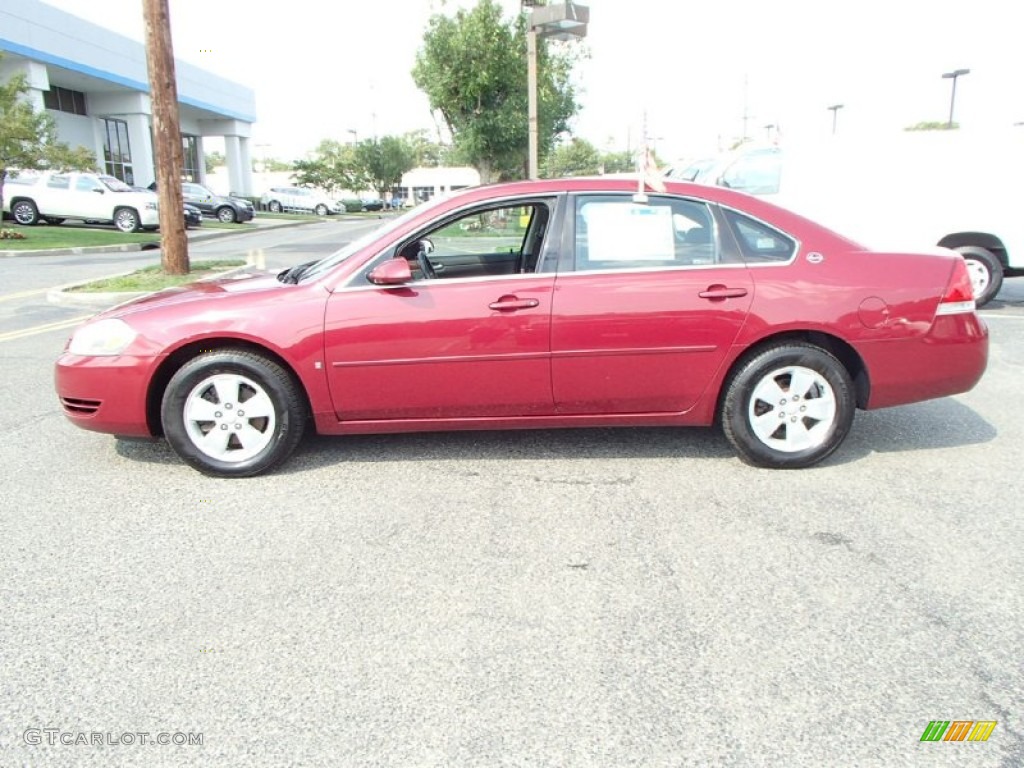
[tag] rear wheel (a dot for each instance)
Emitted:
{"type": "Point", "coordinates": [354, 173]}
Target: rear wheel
{"type": "Point", "coordinates": [25, 213]}
{"type": "Point", "coordinates": [985, 270]}
{"type": "Point", "coordinates": [226, 214]}
{"type": "Point", "coordinates": [127, 220]}
{"type": "Point", "coordinates": [789, 406]}
{"type": "Point", "coordinates": [230, 413]}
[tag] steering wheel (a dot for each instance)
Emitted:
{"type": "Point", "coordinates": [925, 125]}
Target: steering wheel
{"type": "Point", "coordinates": [426, 268]}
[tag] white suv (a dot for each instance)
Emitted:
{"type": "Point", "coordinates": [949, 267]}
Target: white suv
{"type": "Point", "coordinates": [54, 197]}
{"type": "Point", "coordinates": [277, 199]}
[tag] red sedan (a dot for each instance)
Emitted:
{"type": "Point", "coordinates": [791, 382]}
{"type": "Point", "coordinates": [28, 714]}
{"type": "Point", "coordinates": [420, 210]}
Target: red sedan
{"type": "Point", "coordinates": [566, 303]}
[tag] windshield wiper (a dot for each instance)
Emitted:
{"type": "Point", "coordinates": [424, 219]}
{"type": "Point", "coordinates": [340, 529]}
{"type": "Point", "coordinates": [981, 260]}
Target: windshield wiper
{"type": "Point", "coordinates": [292, 274]}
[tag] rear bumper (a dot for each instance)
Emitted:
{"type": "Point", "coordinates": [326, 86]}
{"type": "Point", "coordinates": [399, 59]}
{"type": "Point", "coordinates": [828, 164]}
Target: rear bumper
{"type": "Point", "coordinates": [949, 360]}
{"type": "Point", "coordinates": [105, 394]}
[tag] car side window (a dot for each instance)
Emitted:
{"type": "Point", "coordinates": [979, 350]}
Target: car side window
{"type": "Point", "coordinates": [615, 232]}
{"type": "Point", "coordinates": [760, 243]}
{"type": "Point", "coordinates": [505, 240]}
{"type": "Point", "coordinates": [85, 184]}
{"type": "Point", "coordinates": [59, 182]}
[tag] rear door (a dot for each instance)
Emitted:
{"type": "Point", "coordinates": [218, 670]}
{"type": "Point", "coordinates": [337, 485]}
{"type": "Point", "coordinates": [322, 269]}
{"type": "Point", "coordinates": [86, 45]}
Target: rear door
{"type": "Point", "coordinates": [647, 302]}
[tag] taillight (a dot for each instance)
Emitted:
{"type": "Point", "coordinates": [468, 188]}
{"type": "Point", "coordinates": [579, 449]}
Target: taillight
{"type": "Point", "coordinates": [959, 296]}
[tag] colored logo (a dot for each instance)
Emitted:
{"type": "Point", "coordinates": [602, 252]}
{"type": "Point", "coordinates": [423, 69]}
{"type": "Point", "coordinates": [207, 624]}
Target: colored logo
{"type": "Point", "coordinates": [958, 730]}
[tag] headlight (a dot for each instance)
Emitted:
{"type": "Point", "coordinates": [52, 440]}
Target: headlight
{"type": "Point", "coordinates": [104, 337]}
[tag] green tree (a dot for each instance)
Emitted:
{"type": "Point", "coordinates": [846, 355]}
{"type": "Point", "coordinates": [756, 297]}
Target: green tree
{"type": "Point", "coordinates": [383, 162]}
{"type": "Point", "coordinates": [577, 158]}
{"type": "Point", "coordinates": [472, 67]}
{"type": "Point", "coordinates": [618, 162]}
{"type": "Point", "coordinates": [28, 139]}
{"type": "Point", "coordinates": [427, 153]}
{"type": "Point", "coordinates": [332, 166]}
{"type": "Point", "coordinates": [213, 160]}
{"type": "Point", "coordinates": [932, 125]}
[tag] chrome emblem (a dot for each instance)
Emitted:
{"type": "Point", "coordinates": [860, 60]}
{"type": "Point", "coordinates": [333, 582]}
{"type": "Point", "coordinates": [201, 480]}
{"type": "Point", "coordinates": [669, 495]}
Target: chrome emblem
{"type": "Point", "coordinates": [815, 258]}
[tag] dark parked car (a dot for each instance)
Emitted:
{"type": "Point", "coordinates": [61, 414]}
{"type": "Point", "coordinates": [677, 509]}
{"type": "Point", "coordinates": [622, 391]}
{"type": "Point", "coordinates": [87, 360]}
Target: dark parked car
{"type": "Point", "coordinates": [556, 303]}
{"type": "Point", "coordinates": [226, 209]}
{"type": "Point", "coordinates": [193, 216]}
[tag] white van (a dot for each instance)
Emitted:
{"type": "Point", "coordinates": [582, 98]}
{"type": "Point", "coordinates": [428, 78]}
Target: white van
{"type": "Point", "coordinates": [956, 189]}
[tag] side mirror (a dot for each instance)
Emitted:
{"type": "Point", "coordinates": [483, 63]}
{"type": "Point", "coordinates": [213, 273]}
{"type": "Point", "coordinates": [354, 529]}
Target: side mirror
{"type": "Point", "coordinates": [391, 272]}
{"type": "Point", "coordinates": [427, 245]}
{"type": "Point", "coordinates": [98, 190]}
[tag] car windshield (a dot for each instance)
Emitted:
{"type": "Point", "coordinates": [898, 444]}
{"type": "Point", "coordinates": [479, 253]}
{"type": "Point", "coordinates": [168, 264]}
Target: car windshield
{"type": "Point", "coordinates": [326, 264]}
{"type": "Point", "coordinates": [115, 185]}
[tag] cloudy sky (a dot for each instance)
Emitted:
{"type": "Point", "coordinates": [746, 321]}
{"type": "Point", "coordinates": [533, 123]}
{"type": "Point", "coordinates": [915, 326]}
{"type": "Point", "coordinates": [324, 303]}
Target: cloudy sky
{"type": "Point", "coordinates": [321, 68]}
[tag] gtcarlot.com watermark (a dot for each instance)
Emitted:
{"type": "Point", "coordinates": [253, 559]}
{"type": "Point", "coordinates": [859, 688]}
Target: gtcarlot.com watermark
{"type": "Point", "coordinates": [56, 736]}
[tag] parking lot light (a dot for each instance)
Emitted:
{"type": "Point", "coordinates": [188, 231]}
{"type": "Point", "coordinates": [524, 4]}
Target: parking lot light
{"type": "Point", "coordinates": [952, 97]}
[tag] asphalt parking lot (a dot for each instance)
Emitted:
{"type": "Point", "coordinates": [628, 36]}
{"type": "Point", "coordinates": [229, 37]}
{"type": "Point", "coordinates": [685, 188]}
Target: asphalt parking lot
{"type": "Point", "coordinates": [572, 598]}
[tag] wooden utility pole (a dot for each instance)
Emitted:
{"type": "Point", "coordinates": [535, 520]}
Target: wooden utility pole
{"type": "Point", "coordinates": [166, 136]}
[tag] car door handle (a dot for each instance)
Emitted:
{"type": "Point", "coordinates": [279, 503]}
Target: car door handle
{"type": "Point", "coordinates": [511, 302]}
{"type": "Point", "coordinates": [721, 292]}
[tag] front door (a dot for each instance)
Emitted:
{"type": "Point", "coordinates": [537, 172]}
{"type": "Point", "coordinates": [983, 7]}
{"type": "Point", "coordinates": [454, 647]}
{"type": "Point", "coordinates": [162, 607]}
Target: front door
{"type": "Point", "coordinates": [469, 339]}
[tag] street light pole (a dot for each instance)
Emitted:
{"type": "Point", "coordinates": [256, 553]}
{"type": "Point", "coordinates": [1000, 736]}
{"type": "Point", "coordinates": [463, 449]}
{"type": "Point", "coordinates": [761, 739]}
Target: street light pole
{"type": "Point", "coordinates": [531, 85]}
{"type": "Point", "coordinates": [558, 21]}
{"type": "Point", "coordinates": [835, 111]}
{"type": "Point", "coordinates": [952, 98]}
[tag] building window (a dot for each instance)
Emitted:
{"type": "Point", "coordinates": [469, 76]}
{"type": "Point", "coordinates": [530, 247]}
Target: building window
{"type": "Point", "coordinates": [422, 194]}
{"type": "Point", "coordinates": [64, 100]}
{"type": "Point", "coordinates": [190, 158]}
{"type": "Point", "coordinates": [117, 153]}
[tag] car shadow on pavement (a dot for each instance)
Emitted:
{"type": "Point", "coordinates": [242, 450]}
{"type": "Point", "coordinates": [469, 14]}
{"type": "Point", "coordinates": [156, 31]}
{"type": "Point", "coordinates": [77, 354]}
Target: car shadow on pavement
{"type": "Point", "coordinates": [945, 423]}
{"type": "Point", "coordinates": [935, 424]}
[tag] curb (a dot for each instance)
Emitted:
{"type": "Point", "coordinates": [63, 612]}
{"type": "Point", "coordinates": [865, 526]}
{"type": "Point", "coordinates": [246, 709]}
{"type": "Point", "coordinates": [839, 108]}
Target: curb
{"type": "Point", "coordinates": [154, 246]}
{"type": "Point", "coordinates": [62, 296]}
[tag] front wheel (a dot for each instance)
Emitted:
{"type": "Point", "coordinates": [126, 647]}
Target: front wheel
{"type": "Point", "coordinates": [231, 413]}
{"type": "Point", "coordinates": [788, 407]}
{"type": "Point", "coordinates": [25, 213]}
{"type": "Point", "coordinates": [226, 215]}
{"type": "Point", "coordinates": [321, 210]}
{"type": "Point", "coordinates": [985, 270]}
{"type": "Point", "coordinates": [275, 207]}
{"type": "Point", "coordinates": [127, 220]}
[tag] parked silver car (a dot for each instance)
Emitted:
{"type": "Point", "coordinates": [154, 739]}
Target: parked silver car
{"type": "Point", "coordinates": [278, 199]}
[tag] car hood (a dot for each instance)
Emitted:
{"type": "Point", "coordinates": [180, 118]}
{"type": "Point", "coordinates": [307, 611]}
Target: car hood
{"type": "Point", "coordinates": [250, 281]}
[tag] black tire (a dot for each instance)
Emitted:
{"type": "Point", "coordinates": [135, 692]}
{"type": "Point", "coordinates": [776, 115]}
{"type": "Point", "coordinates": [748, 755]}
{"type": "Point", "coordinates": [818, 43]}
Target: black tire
{"type": "Point", "coordinates": [985, 270]}
{"type": "Point", "coordinates": [320, 210]}
{"type": "Point", "coordinates": [226, 214]}
{"type": "Point", "coordinates": [800, 439]}
{"type": "Point", "coordinates": [53, 220]}
{"type": "Point", "coordinates": [127, 220]}
{"type": "Point", "coordinates": [25, 213]}
{"type": "Point", "coordinates": [272, 438]}
{"type": "Point", "coordinates": [274, 206]}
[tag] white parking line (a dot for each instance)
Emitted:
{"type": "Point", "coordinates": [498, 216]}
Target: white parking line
{"type": "Point", "coordinates": [23, 294]}
{"type": "Point", "coordinates": [20, 334]}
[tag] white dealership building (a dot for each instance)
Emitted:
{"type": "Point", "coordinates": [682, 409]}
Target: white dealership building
{"type": "Point", "coordinates": [95, 84]}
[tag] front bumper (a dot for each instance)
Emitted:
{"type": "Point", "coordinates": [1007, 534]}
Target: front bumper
{"type": "Point", "coordinates": [105, 394]}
